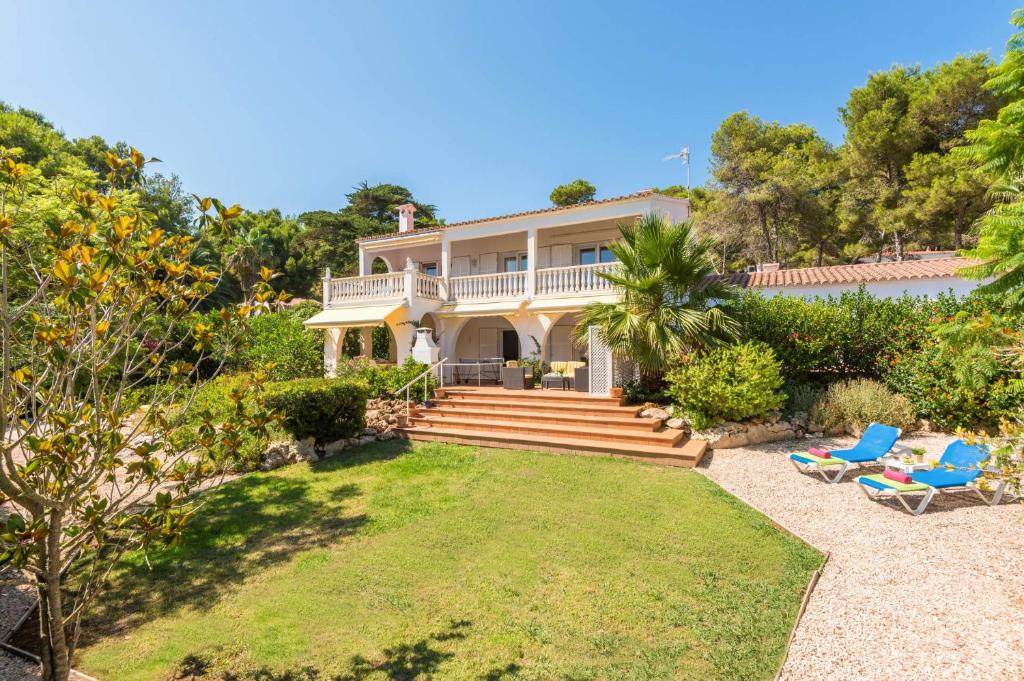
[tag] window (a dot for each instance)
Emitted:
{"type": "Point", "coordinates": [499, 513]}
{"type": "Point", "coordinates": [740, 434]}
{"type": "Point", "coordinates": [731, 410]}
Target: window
{"type": "Point", "coordinates": [588, 256]}
{"type": "Point", "coordinates": [514, 263]}
{"type": "Point", "coordinates": [607, 255]}
{"type": "Point", "coordinates": [429, 268]}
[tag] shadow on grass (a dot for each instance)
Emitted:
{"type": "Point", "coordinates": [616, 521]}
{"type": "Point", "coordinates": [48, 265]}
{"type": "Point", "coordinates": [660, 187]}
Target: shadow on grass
{"type": "Point", "coordinates": [245, 526]}
{"type": "Point", "coordinates": [403, 662]}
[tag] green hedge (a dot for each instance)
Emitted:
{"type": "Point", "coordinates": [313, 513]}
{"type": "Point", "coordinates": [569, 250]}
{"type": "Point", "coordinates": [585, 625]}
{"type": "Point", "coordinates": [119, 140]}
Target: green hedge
{"type": "Point", "coordinates": [730, 383]}
{"type": "Point", "coordinates": [383, 381]}
{"type": "Point", "coordinates": [326, 409]}
{"type": "Point", "coordinates": [212, 397]}
{"type": "Point", "coordinates": [834, 338]}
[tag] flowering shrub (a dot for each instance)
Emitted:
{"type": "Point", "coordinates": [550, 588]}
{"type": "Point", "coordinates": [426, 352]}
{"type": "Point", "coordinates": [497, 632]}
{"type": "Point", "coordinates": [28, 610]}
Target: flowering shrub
{"type": "Point", "coordinates": [728, 383]}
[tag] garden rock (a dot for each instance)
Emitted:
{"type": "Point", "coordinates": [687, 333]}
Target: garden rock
{"type": "Point", "coordinates": [655, 413]}
{"type": "Point", "coordinates": [731, 434]}
{"type": "Point", "coordinates": [676, 423]}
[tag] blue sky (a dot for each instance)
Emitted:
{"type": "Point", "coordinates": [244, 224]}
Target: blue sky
{"type": "Point", "coordinates": [478, 107]}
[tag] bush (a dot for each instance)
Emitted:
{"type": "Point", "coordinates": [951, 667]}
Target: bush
{"type": "Point", "coordinates": [280, 338]}
{"type": "Point", "coordinates": [325, 409]}
{"type": "Point", "coordinates": [383, 381]}
{"type": "Point", "coordinates": [928, 377]}
{"type": "Point", "coordinates": [801, 397]}
{"type": "Point", "coordinates": [855, 404]}
{"type": "Point", "coordinates": [728, 383]}
{"type": "Point", "coordinates": [213, 398]}
{"type": "Point", "coordinates": [851, 336]}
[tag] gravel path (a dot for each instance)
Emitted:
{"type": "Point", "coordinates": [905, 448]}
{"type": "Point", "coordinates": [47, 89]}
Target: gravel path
{"type": "Point", "coordinates": [938, 596]}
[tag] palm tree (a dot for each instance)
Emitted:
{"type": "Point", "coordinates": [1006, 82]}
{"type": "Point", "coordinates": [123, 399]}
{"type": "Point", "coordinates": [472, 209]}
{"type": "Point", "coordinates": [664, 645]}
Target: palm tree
{"type": "Point", "coordinates": [244, 254]}
{"type": "Point", "coordinates": [668, 305]}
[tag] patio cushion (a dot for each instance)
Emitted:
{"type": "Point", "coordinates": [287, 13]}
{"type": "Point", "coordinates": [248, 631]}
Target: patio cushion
{"type": "Point", "coordinates": [566, 368]}
{"type": "Point", "coordinates": [811, 458]}
{"type": "Point", "coordinates": [883, 483]}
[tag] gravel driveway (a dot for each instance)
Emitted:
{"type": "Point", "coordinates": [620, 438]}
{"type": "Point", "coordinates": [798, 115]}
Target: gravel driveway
{"type": "Point", "coordinates": [938, 596]}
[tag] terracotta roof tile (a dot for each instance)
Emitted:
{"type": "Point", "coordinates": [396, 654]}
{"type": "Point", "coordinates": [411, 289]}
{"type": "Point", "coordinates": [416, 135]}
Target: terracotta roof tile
{"type": "Point", "coordinates": [538, 211]}
{"type": "Point", "coordinates": [852, 274]}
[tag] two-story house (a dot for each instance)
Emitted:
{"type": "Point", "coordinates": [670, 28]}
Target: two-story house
{"type": "Point", "coordinates": [494, 289]}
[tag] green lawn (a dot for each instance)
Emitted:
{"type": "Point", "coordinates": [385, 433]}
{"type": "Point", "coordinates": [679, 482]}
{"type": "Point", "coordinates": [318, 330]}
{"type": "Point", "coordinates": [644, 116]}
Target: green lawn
{"type": "Point", "coordinates": [413, 561]}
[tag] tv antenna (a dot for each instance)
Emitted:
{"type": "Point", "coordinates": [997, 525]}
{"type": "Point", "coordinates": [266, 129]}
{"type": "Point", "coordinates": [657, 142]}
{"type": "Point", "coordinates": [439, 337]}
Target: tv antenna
{"type": "Point", "coordinates": [683, 155]}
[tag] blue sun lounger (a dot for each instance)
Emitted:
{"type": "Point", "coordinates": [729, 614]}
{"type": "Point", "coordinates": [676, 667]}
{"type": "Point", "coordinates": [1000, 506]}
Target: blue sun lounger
{"type": "Point", "coordinates": [958, 470]}
{"type": "Point", "coordinates": [875, 443]}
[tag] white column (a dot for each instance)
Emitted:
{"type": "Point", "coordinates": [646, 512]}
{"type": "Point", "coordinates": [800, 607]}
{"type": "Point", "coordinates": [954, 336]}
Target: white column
{"type": "Point", "coordinates": [531, 262]}
{"type": "Point", "coordinates": [445, 268]}
{"type": "Point", "coordinates": [332, 343]}
{"type": "Point", "coordinates": [410, 281]}
{"type": "Point", "coordinates": [364, 262]}
{"type": "Point", "coordinates": [366, 341]}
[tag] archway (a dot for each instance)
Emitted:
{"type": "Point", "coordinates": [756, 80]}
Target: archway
{"type": "Point", "coordinates": [380, 265]}
{"type": "Point", "coordinates": [559, 343]}
{"type": "Point", "coordinates": [481, 347]}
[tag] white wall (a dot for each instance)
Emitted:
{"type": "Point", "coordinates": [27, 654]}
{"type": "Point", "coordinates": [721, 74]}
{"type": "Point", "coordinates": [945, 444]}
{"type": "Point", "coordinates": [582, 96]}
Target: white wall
{"type": "Point", "coordinates": [881, 289]}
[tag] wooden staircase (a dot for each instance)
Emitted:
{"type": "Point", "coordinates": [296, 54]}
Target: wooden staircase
{"type": "Point", "coordinates": [550, 421]}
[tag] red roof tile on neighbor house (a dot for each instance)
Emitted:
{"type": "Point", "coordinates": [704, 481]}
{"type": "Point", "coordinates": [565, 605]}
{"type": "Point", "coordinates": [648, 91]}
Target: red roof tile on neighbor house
{"type": "Point", "coordinates": [551, 209]}
{"type": "Point", "coordinates": [849, 274]}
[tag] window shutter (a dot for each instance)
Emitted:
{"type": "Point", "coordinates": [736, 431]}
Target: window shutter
{"type": "Point", "coordinates": [543, 257]}
{"type": "Point", "coordinates": [488, 263]}
{"type": "Point", "coordinates": [561, 255]}
{"type": "Point", "coordinates": [460, 266]}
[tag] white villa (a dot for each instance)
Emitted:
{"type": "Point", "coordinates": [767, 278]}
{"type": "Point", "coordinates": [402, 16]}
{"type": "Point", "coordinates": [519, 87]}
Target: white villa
{"type": "Point", "coordinates": [502, 288]}
{"type": "Point", "coordinates": [496, 288]}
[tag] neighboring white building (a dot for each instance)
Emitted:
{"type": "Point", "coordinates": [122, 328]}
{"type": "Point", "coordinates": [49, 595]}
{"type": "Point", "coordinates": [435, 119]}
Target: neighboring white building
{"type": "Point", "coordinates": [494, 287]}
{"type": "Point", "coordinates": [889, 279]}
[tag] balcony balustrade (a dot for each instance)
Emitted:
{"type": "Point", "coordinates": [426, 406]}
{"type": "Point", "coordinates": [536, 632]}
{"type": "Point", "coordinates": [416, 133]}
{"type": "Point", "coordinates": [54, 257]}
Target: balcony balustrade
{"type": "Point", "coordinates": [553, 281]}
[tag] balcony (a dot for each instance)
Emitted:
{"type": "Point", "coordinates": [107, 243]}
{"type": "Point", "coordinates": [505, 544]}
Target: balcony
{"type": "Point", "coordinates": [575, 280]}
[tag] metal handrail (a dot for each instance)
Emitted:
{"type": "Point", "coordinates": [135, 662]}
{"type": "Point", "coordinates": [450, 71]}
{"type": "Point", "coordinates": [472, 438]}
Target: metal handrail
{"type": "Point", "coordinates": [426, 383]}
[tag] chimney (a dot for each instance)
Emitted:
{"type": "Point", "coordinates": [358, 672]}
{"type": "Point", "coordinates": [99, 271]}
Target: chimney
{"type": "Point", "coordinates": [770, 267]}
{"type": "Point", "coordinates": [406, 221]}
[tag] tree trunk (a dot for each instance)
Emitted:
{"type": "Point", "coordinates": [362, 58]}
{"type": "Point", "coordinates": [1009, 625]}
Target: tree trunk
{"type": "Point", "coordinates": [762, 217]}
{"type": "Point", "coordinates": [54, 648]}
{"type": "Point", "coordinates": [897, 238]}
{"type": "Point", "coordinates": [819, 254]}
{"type": "Point", "coordinates": [958, 229]}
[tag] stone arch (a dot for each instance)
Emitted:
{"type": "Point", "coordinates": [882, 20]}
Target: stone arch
{"type": "Point", "coordinates": [375, 268]}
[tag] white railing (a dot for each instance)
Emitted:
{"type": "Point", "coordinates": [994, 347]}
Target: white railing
{"type": "Point", "coordinates": [496, 286]}
{"type": "Point", "coordinates": [436, 369]}
{"type": "Point", "coordinates": [428, 286]}
{"type": "Point", "coordinates": [575, 279]}
{"type": "Point", "coordinates": [374, 286]}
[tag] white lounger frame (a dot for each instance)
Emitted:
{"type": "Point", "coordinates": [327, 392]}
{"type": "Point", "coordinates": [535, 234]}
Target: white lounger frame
{"type": "Point", "coordinates": [840, 469]}
{"type": "Point", "coordinates": [929, 494]}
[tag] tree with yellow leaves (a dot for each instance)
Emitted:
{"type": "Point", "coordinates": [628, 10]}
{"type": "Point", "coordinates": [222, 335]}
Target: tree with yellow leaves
{"type": "Point", "coordinates": [87, 473]}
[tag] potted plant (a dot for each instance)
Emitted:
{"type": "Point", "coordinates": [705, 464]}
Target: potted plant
{"type": "Point", "coordinates": [615, 392]}
{"type": "Point", "coordinates": [918, 453]}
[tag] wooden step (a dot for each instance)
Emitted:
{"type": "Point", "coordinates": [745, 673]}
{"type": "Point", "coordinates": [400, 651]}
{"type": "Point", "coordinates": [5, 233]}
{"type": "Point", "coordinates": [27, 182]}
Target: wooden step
{"type": "Point", "coordinates": [579, 408]}
{"type": "Point", "coordinates": [544, 415]}
{"type": "Point", "coordinates": [435, 419]}
{"type": "Point", "coordinates": [684, 454]}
